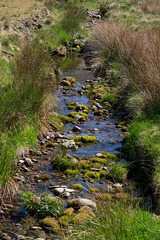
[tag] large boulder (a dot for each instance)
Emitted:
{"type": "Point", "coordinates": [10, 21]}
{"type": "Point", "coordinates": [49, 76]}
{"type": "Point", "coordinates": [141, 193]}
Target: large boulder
{"type": "Point", "coordinates": [77, 203]}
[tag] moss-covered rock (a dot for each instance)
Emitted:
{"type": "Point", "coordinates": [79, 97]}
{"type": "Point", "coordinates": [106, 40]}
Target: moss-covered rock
{"type": "Point", "coordinates": [110, 156]}
{"type": "Point", "coordinates": [77, 203]}
{"type": "Point", "coordinates": [68, 211]}
{"type": "Point", "coordinates": [81, 107]}
{"type": "Point", "coordinates": [72, 172]}
{"type": "Point", "coordinates": [93, 189]}
{"type": "Point", "coordinates": [84, 164]}
{"type": "Point", "coordinates": [96, 165]}
{"type": "Point", "coordinates": [44, 177]}
{"type": "Point", "coordinates": [61, 163]}
{"type": "Point", "coordinates": [51, 223]}
{"type": "Point", "coordinates": [72, 80]}
{"type": "Point", "coordinates": [92, 174]}
{"type": "Point", "coordinates": [84, 139]}
{"type": "Point", "coordinates": [65, 83]}
{"type": "Point", "coordinates": [65, 219]}
{"type": "Point", "coordinates": [81, 218]}
{"type": "Point", "coordinates": [103, 173]}
{"type": "Point", "coordinates": [74, 114]}
{"type": "Point", "coordinates": [65, 119]}
{"type": "Point", "coordinates": [99, 160]}
{"type": "Point", "coordinates": [86, 210]}
{"type": "Point", "coordinates": [77, 187]}
{"type": "Point", "coordinates": [71, 107]}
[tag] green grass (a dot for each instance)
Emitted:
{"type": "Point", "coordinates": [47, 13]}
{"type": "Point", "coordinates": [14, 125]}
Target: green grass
{"type": "Point", "coordinates": [118, 221]}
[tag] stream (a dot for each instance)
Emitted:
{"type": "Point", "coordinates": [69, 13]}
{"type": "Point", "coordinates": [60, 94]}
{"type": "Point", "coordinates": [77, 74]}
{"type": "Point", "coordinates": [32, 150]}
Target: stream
{"type": "Point", "coordinates": [109, 139]}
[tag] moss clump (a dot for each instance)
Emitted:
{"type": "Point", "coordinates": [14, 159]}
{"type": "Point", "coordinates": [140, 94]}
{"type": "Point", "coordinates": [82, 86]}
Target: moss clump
{"type": "Point", "coordinates": [72, 172]}
{"type": "Point", "coordinates": [92, 174]}
{"type": "Point", "coordinates": [51, 223]}
{"type": "Point", "coordinates": [80, 218]}
{"type": "Point", "coordinates": [106, 196]}
{"type": "Point", "coordinates": [68, 211]}
{"type": "Point", "coordinates": [93, 189]}
{"type": "Point", "coordinates": [71, 107]}
{"type": "Point", "coordinates": [44, 177]}
{"type": "Point", "coordinates": [99, 160]}
{"type": "Point", "coordinates": [84, 164]}
{"type": "Point", "coordinates": [84, 139]}
{"type": "Point", "coordinates": [110, 156]}
{"type": "Point", "coordinates": [86, 210]}
{"type": "Point", "coordinates": [119, 172]}
{"type": "Point", "coordinates": [65, 119]}
{"type": "Point", "coordinates": [87, 87]}
{"type": "Point", "coordinates": [61, 164]}
{"type": "Point", "coordinates": [64, 220]}
{"type": "Point", "coordinates": [96, 165]}
{"type": "Point", "coordinates": [74, 114]}
{"type": "Point", "coordinates": [103, 173]}
{"type": "Point", "coordinates": [77, 187]}
{"type": "Point", "coordinates": [80, 106]}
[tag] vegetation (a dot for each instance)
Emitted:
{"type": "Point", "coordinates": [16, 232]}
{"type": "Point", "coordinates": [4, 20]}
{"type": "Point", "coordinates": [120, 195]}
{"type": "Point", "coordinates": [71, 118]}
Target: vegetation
{"type": "Point", "coordinates": [118, 220]}
{"type": "Point", "coordinates": [41, 206]}
{"type": "Point", "coordinates": [61, 163]}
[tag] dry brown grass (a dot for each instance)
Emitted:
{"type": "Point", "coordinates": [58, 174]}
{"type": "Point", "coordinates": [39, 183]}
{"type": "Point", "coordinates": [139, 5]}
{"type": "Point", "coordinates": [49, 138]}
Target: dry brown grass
{"type": "Point", "coordinates": [139, 54]}
{"type": "Point", "coordinates": [13, 9]}
{"type": "Point", "coordinates": [151, 6]}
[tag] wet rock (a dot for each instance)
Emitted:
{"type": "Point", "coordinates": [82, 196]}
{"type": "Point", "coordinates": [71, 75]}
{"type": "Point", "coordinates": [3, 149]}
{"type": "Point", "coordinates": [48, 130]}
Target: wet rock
{"type": "Point", "coordinates": [58, 135]}
{"type": "Point", "coordinates": [28, 162]}
{"type": "Point", "coordinates": [80, 202]}
{"type": "Point", "coordinates": [35, 228]}
{"type": "Point", "coordinates": [65, 83]}
{"type": "Point", "coordinates": [50, 223]}
{"type": "Point", "coordinates": [76, 129]}
{"type": "Point", "coordinates": [43, 177]}
{"type": "Point", "coordinates": [37, 153]}
{"type": "Point", "coordinates": [21, 161]}
{"type": "Point", "coordinates": [74, 148]}
{"type": "Point", "coordinates": [44, 153]}
{"type": "Point", "coordinates": [98, 105]}
{"type": "Point", "coordinates": [94, 108]}
{"type": "Point", "coordinates": [98, 113]}
{"type": "Point", "coordinates": [66, 194]}
{"type": "Point", "coordinates": [1, 212]}
{"type": "Point", "coordinates": [73, 160]}
{"type": "Point", "coordinates": [68, 143]}
{"type": "Point", "coordinates": [19, 178]}
{"type": "Point", "coordinates": [100, 155]}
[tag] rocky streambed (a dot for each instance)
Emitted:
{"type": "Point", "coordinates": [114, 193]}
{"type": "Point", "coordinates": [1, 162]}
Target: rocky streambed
{"type": "Point", "coordinates": [74, 166]}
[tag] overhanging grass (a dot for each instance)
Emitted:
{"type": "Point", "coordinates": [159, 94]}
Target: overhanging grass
{"type": "Point", "coordinates": [118, 221]}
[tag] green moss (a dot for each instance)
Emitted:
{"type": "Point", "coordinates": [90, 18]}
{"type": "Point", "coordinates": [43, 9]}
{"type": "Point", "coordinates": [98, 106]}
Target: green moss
{"type": "Point", "coordinates": [92, 174]}
{"type": "Point", "coordinates": [106, 196]}
{"type": "Point", "coordinates": [110, 156]}
{"type": "Point", "coordinates": [71, 172]}
{"type": "Point", "coordinates": [44, 177]}
{"type": "Point", "coordinates": [96, 165]}
{"type": "Point", "coordinates": [73, 114]}
{"type": "Point", "coordinates": [99, 160]}
{"type": "Point", "coordinates": [65, 119]}
{"type": "Point", "coordinates": [51, 223]}
{"type": "Point", "coordinates": [64, 220]}
{"type": "Point", "coordinates": [84, 139]}
{"type": "Point", "coordinates": [93, 189]}
{"type": "Point", "coordinates": [80, 218]}
{"type": "Point", "coordinates": [61, 164]}
{"type": "Point", "coordinates": [83, 107]}
{"type": "Point", "coordinates": [68, 211]}
{"type": "Point", "coordinates": [77, 187]}
{"type": "Point", "coordinates": [84, 164]}
{"type": "Point", "coordinates": [71, 107]}
{"type": "Point", "coordinates": [86, 210]}
{"type": "Point", "coordinates": [103, 173]}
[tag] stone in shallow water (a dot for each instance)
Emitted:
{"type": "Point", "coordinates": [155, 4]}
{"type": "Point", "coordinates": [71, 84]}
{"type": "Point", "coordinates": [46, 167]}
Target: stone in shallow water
{"type": "Point", "coordinates": [76, 129]}
{"type": "Point", "coordinates": [80, 202]}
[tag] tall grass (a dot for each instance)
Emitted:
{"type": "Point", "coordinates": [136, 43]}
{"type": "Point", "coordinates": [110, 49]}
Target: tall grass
{"type": "Point", "coordinates": [149, 6]}
{"type": "Point", "coordinates": [21, 103]}
{"type": "Point", "coordinates": [139, 55]}
{"type": "Point", "coordinates": [118, 221]}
